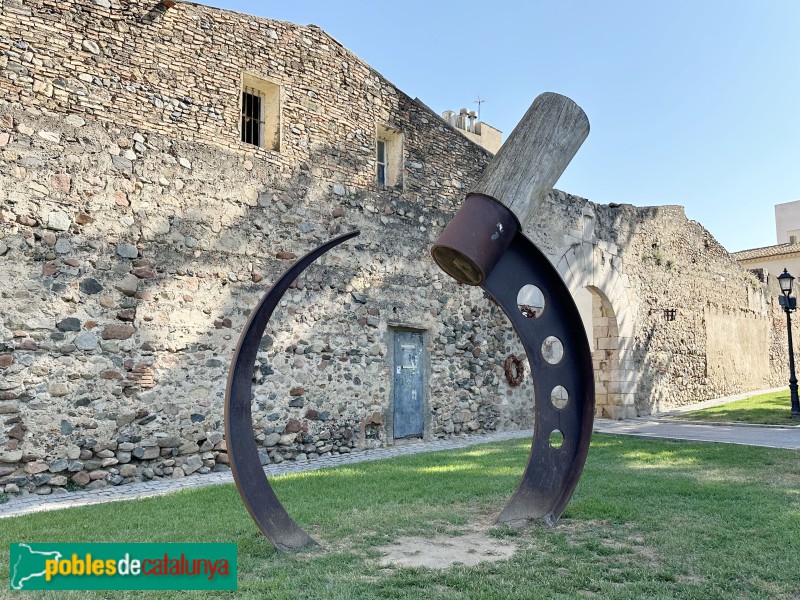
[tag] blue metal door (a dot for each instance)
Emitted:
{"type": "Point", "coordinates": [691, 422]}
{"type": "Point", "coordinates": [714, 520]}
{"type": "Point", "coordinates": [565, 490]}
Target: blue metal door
{"type": "Point", "coordinates": [408, 391]}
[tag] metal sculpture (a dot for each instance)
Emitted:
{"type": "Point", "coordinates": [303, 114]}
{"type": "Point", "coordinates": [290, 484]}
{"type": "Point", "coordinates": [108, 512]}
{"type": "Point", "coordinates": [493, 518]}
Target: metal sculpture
{"type": "Point", "coordinates": [564, 388]}
{"type": "Point", "coordinates": [253, 485]}
{"type": "Point", "coordinates": [483, 245]}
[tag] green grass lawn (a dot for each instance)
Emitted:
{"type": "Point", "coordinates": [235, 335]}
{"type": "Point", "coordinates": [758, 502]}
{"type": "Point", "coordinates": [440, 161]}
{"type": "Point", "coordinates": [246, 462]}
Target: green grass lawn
{"type": "Point", "coordinates": [650, 519]}
{"type": "Point", "coordinates": [765, 409]}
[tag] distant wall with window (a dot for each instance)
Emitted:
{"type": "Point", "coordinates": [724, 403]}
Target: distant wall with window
{"type": "Point", "coordinates": [672, 319]}
{"type": "Point", "coordinates": [773, 266]}
{"type": "Point", "coordinates": [787, 222]}
{"type": "Point", "coordinates": [285, 93]}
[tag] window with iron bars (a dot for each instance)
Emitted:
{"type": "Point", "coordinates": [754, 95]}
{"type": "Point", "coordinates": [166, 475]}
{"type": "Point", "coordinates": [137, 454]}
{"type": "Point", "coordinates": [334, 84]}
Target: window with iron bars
{"type": "Point", "coordinates": [261, 112]}
{"type": "Point", "coordinates": [252, 117]}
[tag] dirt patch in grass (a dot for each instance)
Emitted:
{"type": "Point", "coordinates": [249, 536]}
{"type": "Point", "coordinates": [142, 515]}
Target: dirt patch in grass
{"type": "Point", "coordinates": [487, 542]}
{"type": "Point", "coordinates": [484, 542]}
{"type": "Point", "coordinates": [444, 551]}
{"type": "Point", "coordinates": [619, 542]}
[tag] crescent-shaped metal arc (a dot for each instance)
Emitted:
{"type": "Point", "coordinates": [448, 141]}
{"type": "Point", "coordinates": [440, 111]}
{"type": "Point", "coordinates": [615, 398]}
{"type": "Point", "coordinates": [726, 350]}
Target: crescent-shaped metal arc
{"type": "Point", "coordinates": [553, 470]}
{"type": "Point", "coordinates": [263, 505]}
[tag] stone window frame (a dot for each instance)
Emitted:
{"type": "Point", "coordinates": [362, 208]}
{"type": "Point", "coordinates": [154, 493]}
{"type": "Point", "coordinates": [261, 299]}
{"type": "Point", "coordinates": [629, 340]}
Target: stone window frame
{"type": "Point", "coordinates": [393, 141]}
{"type": "Point", "coordinates": [270, 94]}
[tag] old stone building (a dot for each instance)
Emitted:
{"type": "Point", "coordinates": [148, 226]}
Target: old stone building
{"type": "Point", "coordinates": [163, 162]}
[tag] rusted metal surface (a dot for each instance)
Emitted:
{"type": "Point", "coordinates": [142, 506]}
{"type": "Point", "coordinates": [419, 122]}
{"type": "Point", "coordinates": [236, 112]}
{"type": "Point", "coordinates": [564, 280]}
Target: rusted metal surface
{"type": "Point", "coordinates": [552, 472]}
{"type": "Point", "coordinates": [475, 239]}
{"type": "Point", "coordinates": [253, 485]}
{"type": "Point", "coordinates": [472, 250]}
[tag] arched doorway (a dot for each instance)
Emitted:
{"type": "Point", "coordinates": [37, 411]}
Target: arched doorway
{"type": "Point", "coordinates": [608, 320]}
{"type": "Point", "coordinates": [605, 344]}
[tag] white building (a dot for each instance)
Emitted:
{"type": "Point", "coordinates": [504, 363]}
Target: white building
{"type": "Point", "coordinates": [770, 261]}
{"type": "Point", "coordinates": [787, 222]}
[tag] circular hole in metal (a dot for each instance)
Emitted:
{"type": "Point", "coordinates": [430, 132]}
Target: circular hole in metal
{"type": "Point", "coordinates": [552, 350]}
{"type": "Point", "coordinates": [556, 438]}
{"type": "Point", "coordinates": [559, 396]}
{"type": "Point", "coordinates": [530, 301]}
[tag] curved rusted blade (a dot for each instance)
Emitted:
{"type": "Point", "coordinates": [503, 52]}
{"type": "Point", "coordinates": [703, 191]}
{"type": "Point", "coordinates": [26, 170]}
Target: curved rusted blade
{"type": "Point", "coordinates": [552, 473]}
{"type": "Point", "coordinates": [253, 485]}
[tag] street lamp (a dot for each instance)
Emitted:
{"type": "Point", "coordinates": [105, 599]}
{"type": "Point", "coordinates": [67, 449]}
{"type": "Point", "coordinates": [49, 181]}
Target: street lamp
{"type": "Point", "coordinates": [789, 304]}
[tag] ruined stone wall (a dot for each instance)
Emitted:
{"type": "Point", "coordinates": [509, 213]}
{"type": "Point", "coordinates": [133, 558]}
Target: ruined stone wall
{"type": "Point", "coordinates": [726, 336]}
{"type": "Point", "coordinates": [137, 232]}
{"type": "Point", "coordinates": [682, 267]}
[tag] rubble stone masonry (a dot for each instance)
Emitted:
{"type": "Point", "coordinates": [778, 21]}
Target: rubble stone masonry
{"type": "Point", "coordinates": [137, 231]}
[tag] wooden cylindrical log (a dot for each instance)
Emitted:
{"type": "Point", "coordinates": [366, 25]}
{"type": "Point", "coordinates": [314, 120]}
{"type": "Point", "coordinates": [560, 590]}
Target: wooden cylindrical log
{"type": "Point", "coordinates": [535, 155]}
{"type": "Point", "coordinates": [518, 179]}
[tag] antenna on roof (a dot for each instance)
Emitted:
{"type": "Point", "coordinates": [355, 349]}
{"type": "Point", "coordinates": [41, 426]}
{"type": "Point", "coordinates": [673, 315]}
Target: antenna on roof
{"type": "Point", "coordinates": [479, 102]}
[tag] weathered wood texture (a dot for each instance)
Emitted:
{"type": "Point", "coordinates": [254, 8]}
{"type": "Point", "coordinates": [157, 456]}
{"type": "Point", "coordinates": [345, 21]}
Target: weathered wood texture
{"type": "Point", "coordinates": [530, 162]}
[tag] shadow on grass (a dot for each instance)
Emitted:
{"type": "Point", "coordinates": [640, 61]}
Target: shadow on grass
{"type": "Point", "coordinates": [649, 519]}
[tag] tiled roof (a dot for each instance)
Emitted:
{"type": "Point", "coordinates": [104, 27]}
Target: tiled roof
{"type": "Point", "coordinates": [767, 251]}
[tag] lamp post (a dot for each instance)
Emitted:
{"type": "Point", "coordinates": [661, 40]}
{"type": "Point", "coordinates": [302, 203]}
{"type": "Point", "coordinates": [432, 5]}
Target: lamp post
{"type": "Point", "coordinates": [789, 304]}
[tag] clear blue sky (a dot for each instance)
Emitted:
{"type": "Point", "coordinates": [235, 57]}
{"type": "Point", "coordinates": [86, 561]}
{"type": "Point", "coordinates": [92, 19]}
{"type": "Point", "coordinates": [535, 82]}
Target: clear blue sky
{"type": "Point", "coordinates": [690, 102]}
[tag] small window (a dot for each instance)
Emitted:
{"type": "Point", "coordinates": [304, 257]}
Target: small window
{"type": "Point", "coordinates": [261, 113]}
{"type": "Point", "coordinates": [669, 314]}
{"type": "Point", "coordinates": [252, 118]}
{"type": "Point", "coordinates": [381, 163]}
{"type": "Point", "coordinates": [388, 157]}
{"type": "Point", "coordinates": [792, 239]}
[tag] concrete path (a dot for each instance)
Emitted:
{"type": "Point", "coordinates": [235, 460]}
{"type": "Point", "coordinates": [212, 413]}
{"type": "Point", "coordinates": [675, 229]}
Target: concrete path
{"type": "Point", "coordinates": [752, 435]}
{"type": "Point", "coordinates": [769, 436]}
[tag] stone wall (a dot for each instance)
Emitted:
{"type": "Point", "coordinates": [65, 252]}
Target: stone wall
{"type": "Point", "coordinates": [641, 264]}
{"type": "Point", "coordinates": [178, 72]}
{"type": "Point", "coordinates": [136, 240]}
{"type": "Point", "coordinates": [137, 232]}
{"type": "Point", "coordinates": [748, 366]}
{"type": "Point", "coordinates": [119, 319]}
